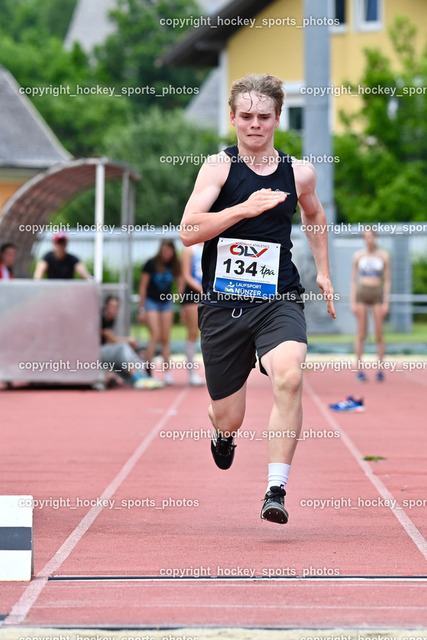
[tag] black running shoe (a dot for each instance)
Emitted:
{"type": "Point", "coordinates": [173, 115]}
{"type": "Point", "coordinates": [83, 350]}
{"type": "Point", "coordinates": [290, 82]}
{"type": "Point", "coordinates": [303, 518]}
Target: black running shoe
{"type": "Point", "coordinates": [222, 450]}
{"type": "Point", "coordinates": [274, 506]}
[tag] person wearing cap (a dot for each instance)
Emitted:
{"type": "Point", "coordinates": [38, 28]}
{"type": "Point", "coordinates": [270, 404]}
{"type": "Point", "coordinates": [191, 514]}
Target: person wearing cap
{"type": "Point", "coordinates": [60, 265]}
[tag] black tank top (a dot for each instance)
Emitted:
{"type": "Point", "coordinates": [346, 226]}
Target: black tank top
{"type": "Point", "coordinates": [274, 225]}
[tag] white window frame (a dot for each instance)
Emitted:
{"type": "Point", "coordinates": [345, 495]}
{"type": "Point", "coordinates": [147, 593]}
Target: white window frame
{"type": "Point", "coordinates": [360, 24]}
{"type": "Point", "coordinates": [294, 98]}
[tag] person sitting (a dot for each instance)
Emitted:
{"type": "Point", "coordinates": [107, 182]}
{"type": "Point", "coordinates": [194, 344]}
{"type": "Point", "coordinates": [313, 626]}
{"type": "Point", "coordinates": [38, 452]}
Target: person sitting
{"type": "Point", "coordinates": [121, 351]}
{"type": "Point", "coordinates": [60, 265]}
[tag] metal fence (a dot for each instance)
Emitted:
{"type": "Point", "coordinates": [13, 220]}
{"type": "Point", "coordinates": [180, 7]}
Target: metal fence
{"type": "Point", "coordinates": [405, 242]}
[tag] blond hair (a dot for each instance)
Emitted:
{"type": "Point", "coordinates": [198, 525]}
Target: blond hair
{"type": "Point", "coordinates": [260, 84]}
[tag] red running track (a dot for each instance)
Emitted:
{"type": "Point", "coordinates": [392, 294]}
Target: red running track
{"type": "Point", "coordinates": [201, 525]}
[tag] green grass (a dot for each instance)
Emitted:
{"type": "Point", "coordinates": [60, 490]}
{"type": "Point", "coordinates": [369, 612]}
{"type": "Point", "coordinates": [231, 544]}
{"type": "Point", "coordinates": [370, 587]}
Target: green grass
{"type": "Point", "coordinates": [179, 332]}
{"type": "Point", "coordinates": [418, 334]}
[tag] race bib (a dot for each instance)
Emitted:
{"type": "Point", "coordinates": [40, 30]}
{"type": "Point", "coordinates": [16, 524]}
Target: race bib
{"type": "Point", "coordinates": [247, 268]}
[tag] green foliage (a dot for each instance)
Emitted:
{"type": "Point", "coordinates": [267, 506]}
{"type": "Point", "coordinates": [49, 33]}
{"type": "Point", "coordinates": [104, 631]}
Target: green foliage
{"type": "Point", "coordinates": [128, 57]}
{"type": "Point", "coordinates": [79, 122]}
{"type": "Point", "coordinates": [81, 210]}
{"type": "Point", "coordinates": [31, 33]}
{"type": "Point", "coordinates": [289, 142]}
{"type": "Point", "coordinates": [382, 175]}
{"type": "Point", "coordinates": [24, 18]}
{"type": "Point", "coordinates": [419, 276]}
{"type": "Point", "coordinates": [109, 274]}
{"type": "Point", "coordinates": [148, 144]}
{"type": "Point", "coordinates": [419, 283]}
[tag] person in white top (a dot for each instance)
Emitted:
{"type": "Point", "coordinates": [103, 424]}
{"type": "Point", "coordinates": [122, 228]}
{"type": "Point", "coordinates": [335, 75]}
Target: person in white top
{"type": "Point", "coordinates": [370, 287]}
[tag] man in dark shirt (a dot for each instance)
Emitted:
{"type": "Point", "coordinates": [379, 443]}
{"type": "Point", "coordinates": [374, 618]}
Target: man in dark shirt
{"type": "Point", "coordinates": [60, 265]}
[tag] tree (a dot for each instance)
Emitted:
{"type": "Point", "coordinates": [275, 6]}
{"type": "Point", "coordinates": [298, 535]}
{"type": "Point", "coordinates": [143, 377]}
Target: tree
{"type": "Point", "coordinates": [128, 57]}
{"type": "Point", "coordinates": [382, 175]}
{"type": "Point", "coordinates": [73, 102]}
{"type": "Point", "coordinates": [42, 18]}
{"type": "Point", "coordinates": [51, 76]}
{"type": "Point", "coordinates": [167, 151]}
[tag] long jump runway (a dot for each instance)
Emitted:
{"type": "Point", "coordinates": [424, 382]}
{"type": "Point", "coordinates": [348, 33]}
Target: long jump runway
{"type": "Point", "coordinates": [135, 527]}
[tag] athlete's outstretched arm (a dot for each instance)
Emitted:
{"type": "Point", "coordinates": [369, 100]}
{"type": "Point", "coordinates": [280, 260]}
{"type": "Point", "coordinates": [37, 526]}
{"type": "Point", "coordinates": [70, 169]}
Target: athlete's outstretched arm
{"type": "Point", "coordinates": [313, 217]}
{"type": "Point", "coordinates": [199, 224]}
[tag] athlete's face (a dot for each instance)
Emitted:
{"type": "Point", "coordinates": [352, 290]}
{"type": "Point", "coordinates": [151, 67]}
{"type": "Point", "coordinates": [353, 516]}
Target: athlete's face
{"type": "Point", "coordinates": [255, 119]}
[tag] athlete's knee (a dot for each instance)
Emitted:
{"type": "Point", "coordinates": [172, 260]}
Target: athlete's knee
{"type": "Point", "coordinates": [288, 379]}
{"type": "Point", "coordinates": [228, 418]}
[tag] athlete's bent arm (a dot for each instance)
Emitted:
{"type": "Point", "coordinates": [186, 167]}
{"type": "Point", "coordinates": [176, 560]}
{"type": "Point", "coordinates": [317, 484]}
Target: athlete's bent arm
{"type": "Point", "coordinates": [199, 224]}
{"type": "Point", "coordinates": [313, 217]}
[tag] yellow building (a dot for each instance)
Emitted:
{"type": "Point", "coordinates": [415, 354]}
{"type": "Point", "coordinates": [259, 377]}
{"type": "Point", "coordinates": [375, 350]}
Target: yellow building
{"type": "Point", "coordinates": [264, 36]}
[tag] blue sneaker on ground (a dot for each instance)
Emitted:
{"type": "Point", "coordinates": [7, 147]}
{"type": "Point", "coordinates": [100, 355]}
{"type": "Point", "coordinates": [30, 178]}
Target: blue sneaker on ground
{"type": "Point", "coordinates": [349, 405]}
{"type": "Point", "coordinates": [380, 376]}
{"type": "Point", "coordinates": [361, 377]}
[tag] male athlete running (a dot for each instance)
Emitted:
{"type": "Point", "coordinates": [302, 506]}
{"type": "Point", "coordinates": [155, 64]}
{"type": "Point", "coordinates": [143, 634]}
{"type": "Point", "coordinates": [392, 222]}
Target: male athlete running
{"type": "Point", "coordinates": [241, 208]}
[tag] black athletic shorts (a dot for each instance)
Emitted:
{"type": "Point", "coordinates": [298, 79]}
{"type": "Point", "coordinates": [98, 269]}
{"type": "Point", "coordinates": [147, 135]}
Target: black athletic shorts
{"type": "Point", "coordinates": [230, 338]}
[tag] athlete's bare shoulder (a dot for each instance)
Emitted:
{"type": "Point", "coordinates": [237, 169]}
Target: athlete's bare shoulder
{"type": "Point", "coordinates": [305, 175]}
{"type": "Point", "coordinates": [216, 168]}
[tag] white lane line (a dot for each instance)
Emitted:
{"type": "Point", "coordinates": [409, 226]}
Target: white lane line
{"type": "Point", "coordinates": [21, 609]}
{"type": "Point", "coordinates": [412, 531]}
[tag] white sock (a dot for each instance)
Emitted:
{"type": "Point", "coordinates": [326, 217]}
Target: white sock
{"type": "Point", "coordinates": [278, 474]}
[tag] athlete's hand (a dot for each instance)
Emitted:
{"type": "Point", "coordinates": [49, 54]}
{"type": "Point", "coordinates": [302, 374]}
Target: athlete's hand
{"type": "Point", "coordinates": [263, 200]}
{"type": "Point", "coordinates": [325, 286]}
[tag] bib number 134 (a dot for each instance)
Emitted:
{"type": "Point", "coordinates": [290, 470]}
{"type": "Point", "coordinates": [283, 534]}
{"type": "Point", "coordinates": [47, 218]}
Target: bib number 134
{"type": "Point", "coordinates": [239, 267]}
{"type": "Point", "coordinates": [247, 267]}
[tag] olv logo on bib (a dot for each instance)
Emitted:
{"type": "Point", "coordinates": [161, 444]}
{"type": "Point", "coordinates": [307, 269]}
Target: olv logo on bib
{"type": "Point", "coordinates": [247, 268]}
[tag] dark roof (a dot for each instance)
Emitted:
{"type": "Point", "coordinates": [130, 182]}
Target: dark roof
{"type": "Point", "coordinates": [46, 193]}
{"type": "Point", "coordinates": [202, 46]}
{"type": "Point", "coordinates": [25, 139]}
